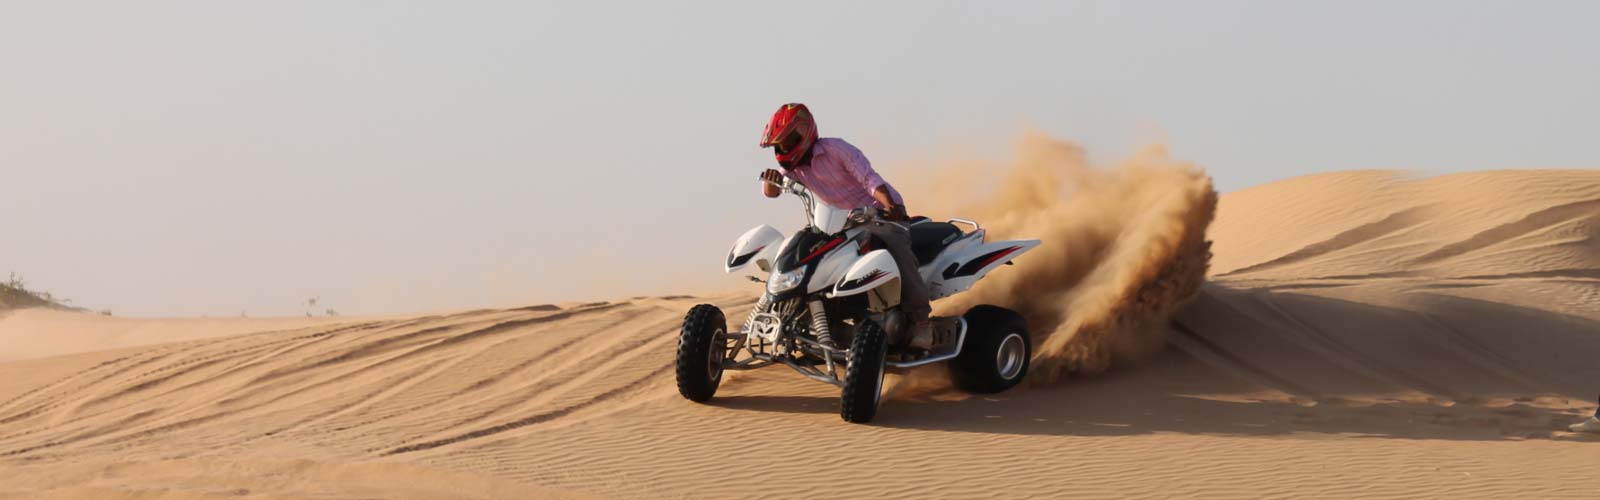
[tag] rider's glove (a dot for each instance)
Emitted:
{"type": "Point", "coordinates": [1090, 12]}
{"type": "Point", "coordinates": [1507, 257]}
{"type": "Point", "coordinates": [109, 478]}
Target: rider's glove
{"type": "Point", "coordinates": [897, 213]}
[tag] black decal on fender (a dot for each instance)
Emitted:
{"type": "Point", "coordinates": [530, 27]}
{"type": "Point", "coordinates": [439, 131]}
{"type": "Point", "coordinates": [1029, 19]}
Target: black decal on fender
{"type": "Point", "coordinates": [740, 260]}
{"type": "Point", "coordinates": [875, 275]}
{"type": "Point", "coordinates": [972, 266]}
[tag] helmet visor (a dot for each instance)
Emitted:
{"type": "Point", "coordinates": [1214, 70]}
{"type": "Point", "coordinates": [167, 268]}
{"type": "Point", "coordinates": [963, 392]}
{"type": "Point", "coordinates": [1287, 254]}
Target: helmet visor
{"type": "Point", "coordinates": [788, 142]}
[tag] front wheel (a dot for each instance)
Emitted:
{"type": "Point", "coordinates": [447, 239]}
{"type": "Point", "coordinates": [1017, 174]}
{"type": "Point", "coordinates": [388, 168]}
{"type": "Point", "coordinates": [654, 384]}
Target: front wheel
{"type": "Point", "coordinates": [863, 378]}
{"type": "Point", "coordinates": [997, 352]}
{"type": "Point", "coordinates": [702, 345]}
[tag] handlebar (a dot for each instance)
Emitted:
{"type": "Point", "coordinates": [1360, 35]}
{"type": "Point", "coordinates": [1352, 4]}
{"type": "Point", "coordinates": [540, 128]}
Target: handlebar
{"type": "Point", "coordinates": [864, 215]}
{"type": "Point", "coordinates": [788, 186]}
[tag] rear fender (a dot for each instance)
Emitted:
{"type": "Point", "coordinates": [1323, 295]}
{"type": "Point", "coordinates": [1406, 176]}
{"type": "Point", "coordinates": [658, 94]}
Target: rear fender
{"type": "Point", "coordinates": [963, 270]}
{"type": "Point", "coordinates": [871, 271]}
{"type": "Point", "coordinates": [759, 245]}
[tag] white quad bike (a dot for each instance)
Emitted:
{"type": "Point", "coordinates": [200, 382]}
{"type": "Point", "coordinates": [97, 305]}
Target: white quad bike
{"type": "Point", "coordinates": [832, 305]}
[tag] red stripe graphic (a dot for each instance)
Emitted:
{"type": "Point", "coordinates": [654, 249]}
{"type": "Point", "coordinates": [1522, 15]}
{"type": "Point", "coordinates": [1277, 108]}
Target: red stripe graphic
{"type": "Point", "coordinates": [822, 250]}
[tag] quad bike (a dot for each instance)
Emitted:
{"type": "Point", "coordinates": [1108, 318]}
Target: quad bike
{"type": "Point", "coordinates": [831, 310]}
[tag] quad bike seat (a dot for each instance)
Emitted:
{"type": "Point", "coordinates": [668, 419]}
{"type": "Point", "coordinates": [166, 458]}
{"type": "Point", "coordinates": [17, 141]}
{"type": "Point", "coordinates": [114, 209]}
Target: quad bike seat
{"type": "Point", "coordinates": [928, 238]}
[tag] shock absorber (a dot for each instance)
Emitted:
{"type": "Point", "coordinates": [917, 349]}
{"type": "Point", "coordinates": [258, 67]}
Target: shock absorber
{"type": "Point", "coordinates": [760, 307]}
{"type": "Point", "coordinates": [819, 324]}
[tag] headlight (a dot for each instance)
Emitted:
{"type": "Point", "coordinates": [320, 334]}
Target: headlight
{"type": "Point", "coordinates": [782, 282]}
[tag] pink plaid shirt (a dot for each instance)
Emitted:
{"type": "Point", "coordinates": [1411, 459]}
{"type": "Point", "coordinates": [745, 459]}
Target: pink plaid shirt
{"type": "Point", "coordinates": [841, 176]}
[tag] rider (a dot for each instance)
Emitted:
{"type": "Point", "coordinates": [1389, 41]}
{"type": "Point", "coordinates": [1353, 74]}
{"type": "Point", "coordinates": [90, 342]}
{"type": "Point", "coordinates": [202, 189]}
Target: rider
{"type": "Point", "coordinates": [840, 175]}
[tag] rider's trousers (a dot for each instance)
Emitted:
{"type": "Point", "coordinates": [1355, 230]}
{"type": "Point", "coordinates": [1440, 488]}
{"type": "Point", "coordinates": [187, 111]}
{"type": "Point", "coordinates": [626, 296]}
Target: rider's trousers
{"type": "Point", "coordinates": [913, 291]}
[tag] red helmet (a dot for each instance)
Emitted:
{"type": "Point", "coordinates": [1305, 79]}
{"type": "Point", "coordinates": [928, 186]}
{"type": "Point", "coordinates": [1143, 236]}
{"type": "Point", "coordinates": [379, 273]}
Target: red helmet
{"type": "Point", "coordinates": [790, 134]}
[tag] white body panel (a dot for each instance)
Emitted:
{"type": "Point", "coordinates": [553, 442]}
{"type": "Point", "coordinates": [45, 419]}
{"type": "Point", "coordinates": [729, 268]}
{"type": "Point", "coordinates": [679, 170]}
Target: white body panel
{"type": "Point", "coordinates": [835, 263]}
{"type": "Point", "coordinates": [872, 270]}
{"type": "Point", "coordinates": [827, 218]}
{"type": "Point", "coordinates": [962, 264]}
{"type": "Point", "coordinates": [764, 241]}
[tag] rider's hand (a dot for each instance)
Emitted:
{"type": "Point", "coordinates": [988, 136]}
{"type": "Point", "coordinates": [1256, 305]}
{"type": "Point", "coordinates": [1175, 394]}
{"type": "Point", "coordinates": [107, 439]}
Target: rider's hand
{"type": "Point", "coordinates": [773, 176]}
{"type": "Point", "coordinates": [896, 212]}
{"type": "Point", "coordinates": [772, 183]}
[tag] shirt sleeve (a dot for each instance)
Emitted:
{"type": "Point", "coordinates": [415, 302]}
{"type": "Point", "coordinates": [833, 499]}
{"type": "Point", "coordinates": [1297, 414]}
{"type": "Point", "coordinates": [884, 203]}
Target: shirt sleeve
{"type": "Point", "coordinates": [860, 168]}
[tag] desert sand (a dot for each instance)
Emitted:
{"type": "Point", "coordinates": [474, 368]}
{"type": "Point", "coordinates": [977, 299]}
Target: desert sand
{"type": "Point", "coordinates": [1360, 334]}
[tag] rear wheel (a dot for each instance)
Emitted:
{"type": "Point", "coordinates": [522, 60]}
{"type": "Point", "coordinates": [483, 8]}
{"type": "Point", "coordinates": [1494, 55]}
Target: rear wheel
{"type": "Point", "coordinates": [863, 379]}
{"type": "Point", "coordinates": [702, 345]}
{"type": "Point", "coordinates": [997, 352]}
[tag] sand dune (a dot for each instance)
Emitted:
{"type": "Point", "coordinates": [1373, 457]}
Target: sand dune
{"type": "Point", "coordinates": [1361, 335]}
{"type": "Point", "coordinates": [40, 332]}
{"type": "Point", "coordinates": [1465, 286]}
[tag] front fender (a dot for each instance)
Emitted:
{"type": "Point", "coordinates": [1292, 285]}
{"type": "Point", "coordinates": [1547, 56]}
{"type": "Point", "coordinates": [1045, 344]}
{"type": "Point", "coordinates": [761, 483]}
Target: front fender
{"type": "Point", "coordinates": [759, 245]}
{"type": "Point", "coordinates": [870, 272]}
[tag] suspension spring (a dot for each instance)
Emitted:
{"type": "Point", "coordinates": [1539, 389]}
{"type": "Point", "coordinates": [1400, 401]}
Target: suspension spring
{"type": "Point", "coordinates": [819, 324]}
{"type": "Point", "coordinates": [760, 307]}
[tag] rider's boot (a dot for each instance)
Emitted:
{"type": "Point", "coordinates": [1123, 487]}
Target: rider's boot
{"type": "Point", "coordinates": [933, 331]}
{"type": "Point", "coordinates": [922, 334]}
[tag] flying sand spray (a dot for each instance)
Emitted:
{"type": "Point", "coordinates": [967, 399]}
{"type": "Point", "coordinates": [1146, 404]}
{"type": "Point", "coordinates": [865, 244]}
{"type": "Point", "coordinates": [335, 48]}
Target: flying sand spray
{"type": "Point", "coordinates": [1125, 248]}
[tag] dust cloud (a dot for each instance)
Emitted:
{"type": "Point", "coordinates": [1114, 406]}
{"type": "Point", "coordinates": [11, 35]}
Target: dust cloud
{"type": "Point", "coordinates": [1123, 246]}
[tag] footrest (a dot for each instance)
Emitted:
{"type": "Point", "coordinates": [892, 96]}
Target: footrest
{"type": "Point", "coordinates": [942, 352]}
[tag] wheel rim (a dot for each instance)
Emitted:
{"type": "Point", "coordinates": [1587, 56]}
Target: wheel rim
{"type": "Point", "coordinates": [716, 353]}
{"type": "Point", "coordinates": [1011, 356]}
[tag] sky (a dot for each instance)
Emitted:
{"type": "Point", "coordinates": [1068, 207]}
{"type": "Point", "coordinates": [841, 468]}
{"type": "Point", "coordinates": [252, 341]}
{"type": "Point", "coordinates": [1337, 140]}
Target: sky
{"type": "Point", "coordinates": [224, 158]}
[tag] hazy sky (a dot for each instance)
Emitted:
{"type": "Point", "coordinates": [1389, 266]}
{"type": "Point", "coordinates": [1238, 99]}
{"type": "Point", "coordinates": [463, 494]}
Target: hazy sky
{"type": "Point", "coordinates": [161, 158]}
